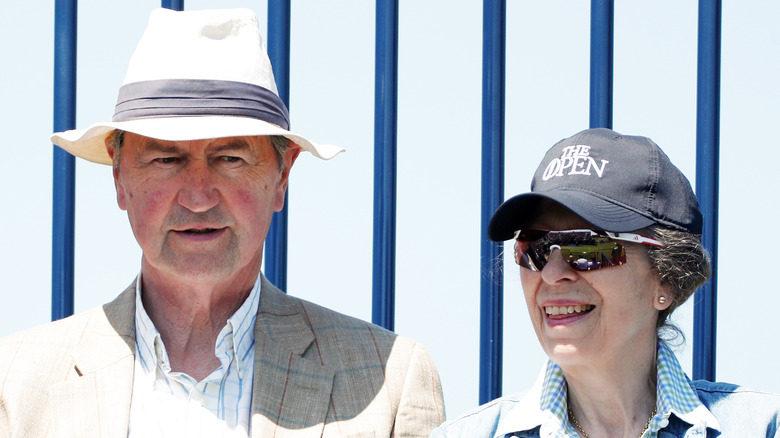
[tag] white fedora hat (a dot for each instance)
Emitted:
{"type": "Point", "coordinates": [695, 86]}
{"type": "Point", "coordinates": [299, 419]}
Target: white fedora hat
{"type": "Point", "coordinates": [195, 75]}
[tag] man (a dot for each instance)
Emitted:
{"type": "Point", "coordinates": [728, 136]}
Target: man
{"type": "Point", "coordinates": [201, 344]}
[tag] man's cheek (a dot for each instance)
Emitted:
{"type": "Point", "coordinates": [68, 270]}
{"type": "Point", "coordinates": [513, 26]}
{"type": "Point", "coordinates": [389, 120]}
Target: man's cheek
{"type": "Point", "coordinates": [150, 203]}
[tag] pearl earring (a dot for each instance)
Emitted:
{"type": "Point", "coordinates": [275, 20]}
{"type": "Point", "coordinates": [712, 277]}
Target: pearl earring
{"type": "Point", "coordinates": [662, 299]}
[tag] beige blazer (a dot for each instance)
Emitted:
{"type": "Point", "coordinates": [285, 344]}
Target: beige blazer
{"type": "Point", "coordinates": [318, 373]}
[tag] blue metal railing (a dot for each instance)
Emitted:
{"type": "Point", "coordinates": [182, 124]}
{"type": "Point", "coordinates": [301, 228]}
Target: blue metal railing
{"type": "Point", "coordinates": [707, 162]}
{"type": "Point", "coordinates": [493, 95]}
{"type": "Point", "coordinates": [385, 158]}
{"type": "Point", "coordinates": [602, 17]}
{"type": "Point", "coordinates": [491, 288]}
{"type": "Point", "coordinates": [176, 5]}
{"type": "Point", "coordinates": [279, 53]}
{"type": "Point", "coordinates": [64, 168]}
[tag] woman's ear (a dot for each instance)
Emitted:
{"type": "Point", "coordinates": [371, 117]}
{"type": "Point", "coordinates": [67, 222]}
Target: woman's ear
{"type": "Point", "coordinates": [662, 299]}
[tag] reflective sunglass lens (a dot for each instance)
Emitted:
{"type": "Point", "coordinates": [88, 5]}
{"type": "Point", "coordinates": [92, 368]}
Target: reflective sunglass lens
{"type": "Point", "coordinates": [597, 256]}
{"type": "Point", "coordinates": [583, 250]}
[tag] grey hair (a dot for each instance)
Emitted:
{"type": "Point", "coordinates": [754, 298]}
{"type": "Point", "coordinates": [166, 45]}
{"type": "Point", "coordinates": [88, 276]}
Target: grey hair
{"type": "Point", "coordinates": [683, 265]}
{"type": "Point", "coordinates": [116, 140]}
{"type": "Point", "coordinates": [280, 144]}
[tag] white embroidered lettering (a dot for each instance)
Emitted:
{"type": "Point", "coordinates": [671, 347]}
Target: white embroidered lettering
{"type": "Point", "coordinates": [574, 160]}
{"type": "Point", "coordinates": [552, 169]}
{"type": "Point", "coordinates": [568, 151]}
{"type": "Point", "coordinates": [592, 164]}
{"type": "Point", "coordinates": [566, 163]}
{"type": "Point", "coordinates": [578, 166]}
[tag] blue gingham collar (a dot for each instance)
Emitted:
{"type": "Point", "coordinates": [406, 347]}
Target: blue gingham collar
{"type": "Point", "coordinates": [236, 339]}
{"type": "Point", "coordinates": [544, 405]}
{"type": "Point", "coordinates": [677, 396]}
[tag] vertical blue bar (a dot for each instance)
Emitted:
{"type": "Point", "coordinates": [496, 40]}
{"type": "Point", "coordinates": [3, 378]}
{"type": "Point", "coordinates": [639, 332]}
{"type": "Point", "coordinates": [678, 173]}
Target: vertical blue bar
{"type": "Point", "coordinates": [279, 53]}
{"type": "Point", "coordinates": [176, 5]}
{"type": "Point", "coordinates": [491, 279]}
{"type": "Point", "coordinates": [602, 19]}
{"type": "Point", "coordinates": [707, 166]}
{"type": "Point", "coordinates": [385, 147]}
{"type": "Point", "coordinates": [64, 169]}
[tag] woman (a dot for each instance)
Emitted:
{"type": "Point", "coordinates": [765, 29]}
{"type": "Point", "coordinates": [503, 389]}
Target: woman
{"type": "Point", "coordinates": [609, 246]}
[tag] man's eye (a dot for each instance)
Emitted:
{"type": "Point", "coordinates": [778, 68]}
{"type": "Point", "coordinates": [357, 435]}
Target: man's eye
{"type": "Point", "coordinates": [229, 159]}
{"type": "Point", "coordinates": [166, 160]}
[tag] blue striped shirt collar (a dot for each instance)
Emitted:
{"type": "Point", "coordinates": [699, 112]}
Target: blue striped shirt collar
{"type": "Point", "coordinates": [240, 326]}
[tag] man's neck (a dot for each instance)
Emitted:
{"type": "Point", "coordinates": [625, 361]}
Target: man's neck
{"type": "Point", "coordinates": [190, 315]}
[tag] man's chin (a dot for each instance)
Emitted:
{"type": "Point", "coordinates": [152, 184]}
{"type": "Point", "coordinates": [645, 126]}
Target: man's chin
{"type": "Point", "coordinates": [196, 266]}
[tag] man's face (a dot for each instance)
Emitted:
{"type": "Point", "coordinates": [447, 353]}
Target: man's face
{"type": "Point", "coordinates": [201, 209]}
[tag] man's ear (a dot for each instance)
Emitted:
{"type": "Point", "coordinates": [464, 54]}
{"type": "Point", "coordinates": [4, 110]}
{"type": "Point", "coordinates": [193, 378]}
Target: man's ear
{"type": "Point", "coordinates": [290, 155]}
{"type": "Point", "coordinates": [120, 193]}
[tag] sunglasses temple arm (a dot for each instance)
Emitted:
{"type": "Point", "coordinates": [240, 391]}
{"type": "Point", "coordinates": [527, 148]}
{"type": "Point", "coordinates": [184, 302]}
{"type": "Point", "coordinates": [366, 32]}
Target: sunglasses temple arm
{"type": "Point", "coordinates": [636, 238]}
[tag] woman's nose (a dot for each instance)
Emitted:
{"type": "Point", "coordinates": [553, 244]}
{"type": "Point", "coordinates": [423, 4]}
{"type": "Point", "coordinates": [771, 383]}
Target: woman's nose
{"type": "Point", "coordinates": [557, 269]}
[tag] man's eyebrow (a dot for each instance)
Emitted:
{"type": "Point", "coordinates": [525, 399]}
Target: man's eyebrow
{"type": "Point", "coordinates": [152, 145]}
{"type": "Point", "coordinates": [232, 145]}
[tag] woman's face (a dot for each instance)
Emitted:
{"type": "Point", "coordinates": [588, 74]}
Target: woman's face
{"type": "Point", "coordinates": [614, 309]}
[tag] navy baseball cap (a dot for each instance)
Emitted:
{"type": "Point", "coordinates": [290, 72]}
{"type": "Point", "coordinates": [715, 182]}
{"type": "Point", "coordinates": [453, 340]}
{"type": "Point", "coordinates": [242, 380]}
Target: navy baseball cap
{"type": "Point", "coordinates": [616, 182]}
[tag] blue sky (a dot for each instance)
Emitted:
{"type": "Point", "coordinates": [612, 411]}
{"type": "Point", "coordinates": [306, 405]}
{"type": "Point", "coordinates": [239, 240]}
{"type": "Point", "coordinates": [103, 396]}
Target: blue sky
{"type": "Point", "coordinates": [332, 90]}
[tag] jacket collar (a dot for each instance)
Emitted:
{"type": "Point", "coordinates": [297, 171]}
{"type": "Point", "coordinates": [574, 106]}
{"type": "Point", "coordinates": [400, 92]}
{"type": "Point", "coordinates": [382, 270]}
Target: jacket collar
{"type": "Point", "coordinates": [526, 414]}
{"type": "Point", "coordinates": [292, 385]}
{"type": "Point", "coordinates": [97, 402]}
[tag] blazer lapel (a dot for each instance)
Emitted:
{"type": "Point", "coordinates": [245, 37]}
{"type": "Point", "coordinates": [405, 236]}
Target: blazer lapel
{"type": "Point", "coordinates": [96, 402]}
{"type": "Point", "coordinates": [291, 392]}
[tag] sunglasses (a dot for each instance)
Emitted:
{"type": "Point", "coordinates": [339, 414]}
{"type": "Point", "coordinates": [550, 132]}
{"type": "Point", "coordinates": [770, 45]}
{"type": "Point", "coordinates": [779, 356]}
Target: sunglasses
{"type": "Point", "coordinates": [583, 250]}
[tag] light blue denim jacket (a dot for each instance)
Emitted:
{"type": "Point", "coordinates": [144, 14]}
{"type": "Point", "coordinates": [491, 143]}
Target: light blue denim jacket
{"type": "Point", "coordinates": [724, 410]}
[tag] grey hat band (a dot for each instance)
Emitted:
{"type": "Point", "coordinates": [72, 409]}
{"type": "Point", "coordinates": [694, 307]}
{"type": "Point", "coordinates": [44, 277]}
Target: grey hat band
{"type": "Point", "coordinates": [199, 97]}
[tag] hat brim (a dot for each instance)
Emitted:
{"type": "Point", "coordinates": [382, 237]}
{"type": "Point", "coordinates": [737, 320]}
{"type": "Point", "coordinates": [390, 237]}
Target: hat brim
{"type": "Point", "coordinates": [89, 143]}
{"type": "Point", "coordinates": [520, 211]}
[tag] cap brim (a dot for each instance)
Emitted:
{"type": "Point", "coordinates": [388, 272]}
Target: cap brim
{"type": "Point", "coordinates": [89, 143]}
{"type": "Point", "coordinates": [520, 211]}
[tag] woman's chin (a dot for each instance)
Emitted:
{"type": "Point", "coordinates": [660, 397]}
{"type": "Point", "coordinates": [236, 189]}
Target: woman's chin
{"type": "Point", "coordinates": [565, 350]}
{"type": "Point", "coordinates": [566, 353]}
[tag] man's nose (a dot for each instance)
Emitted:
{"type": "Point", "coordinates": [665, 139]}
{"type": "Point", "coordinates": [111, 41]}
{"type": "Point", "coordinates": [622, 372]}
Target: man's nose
{"type": "Point", "coordinates": [198, 192]}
